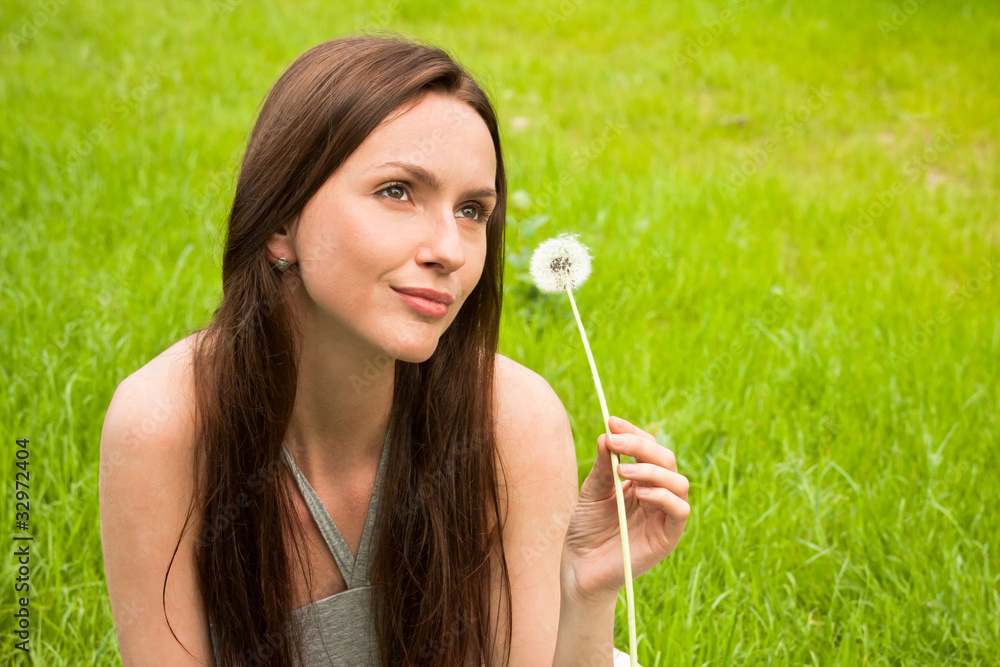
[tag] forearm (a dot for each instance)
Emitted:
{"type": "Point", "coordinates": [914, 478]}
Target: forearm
{"type": "Point", "coordinates": [586, 633]}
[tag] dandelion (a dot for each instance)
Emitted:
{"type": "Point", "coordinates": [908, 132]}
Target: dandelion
{"type": "Point", "coordinates": [560, 264]}
{"type": "Point", "coordinates": [520, 199]}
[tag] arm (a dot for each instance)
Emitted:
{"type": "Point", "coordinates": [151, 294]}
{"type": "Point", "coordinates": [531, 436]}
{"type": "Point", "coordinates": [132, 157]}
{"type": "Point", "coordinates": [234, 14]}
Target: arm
{"type": "Point", "coordinates": [145, 485]}
{"type": "Point", "coordinates": [552, 625]}
{"type": "Point", "coordinates": [586, 631]}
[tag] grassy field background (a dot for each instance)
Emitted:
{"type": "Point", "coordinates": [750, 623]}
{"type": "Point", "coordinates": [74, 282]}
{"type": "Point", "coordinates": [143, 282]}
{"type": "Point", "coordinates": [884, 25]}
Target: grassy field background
{"type": "Point", "coordinates": [793, 212]}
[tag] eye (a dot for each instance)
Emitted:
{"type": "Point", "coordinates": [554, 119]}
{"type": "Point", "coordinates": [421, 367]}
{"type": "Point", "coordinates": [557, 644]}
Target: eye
{"type": "Point", "coordinates": [399, 187]}
{"type": "Point", "coordinates": [475, 208]}
{"type": "Point", "coordinates": [481, 213]}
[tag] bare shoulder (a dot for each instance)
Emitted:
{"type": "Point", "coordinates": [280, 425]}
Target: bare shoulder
{"type": "Point", "coordinates": [159, 392]}
{"type": "Point", "coordinates": [146, 484]}
{"type": "Point", "coordinates": [519, 391]}
{"type": "Point", "coordinates": [151, 415]}
{"type": "Point", "coordinates": [532, 423]}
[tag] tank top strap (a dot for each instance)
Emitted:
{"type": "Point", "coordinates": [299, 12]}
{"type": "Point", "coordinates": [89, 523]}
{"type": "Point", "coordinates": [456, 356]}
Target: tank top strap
{"type": "Point", "coordinates": [355, 571]}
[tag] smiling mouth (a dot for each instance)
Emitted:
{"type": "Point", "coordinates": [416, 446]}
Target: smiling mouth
{"type": "Point", "coordinates": [425, 306]}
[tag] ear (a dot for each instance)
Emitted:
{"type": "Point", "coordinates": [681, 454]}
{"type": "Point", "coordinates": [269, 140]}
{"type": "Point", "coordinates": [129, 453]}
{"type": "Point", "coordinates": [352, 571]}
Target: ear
{"type": "Point", "coordinates": [282, 242]}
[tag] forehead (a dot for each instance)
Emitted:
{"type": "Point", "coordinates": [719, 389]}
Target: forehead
{"type": "Point", "coordinates": [439, 133]}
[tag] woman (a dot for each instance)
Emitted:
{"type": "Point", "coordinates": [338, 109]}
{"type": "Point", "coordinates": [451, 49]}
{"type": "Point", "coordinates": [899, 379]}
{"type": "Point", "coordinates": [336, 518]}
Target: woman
{"type": "Point", "coordinates": [340, 468]}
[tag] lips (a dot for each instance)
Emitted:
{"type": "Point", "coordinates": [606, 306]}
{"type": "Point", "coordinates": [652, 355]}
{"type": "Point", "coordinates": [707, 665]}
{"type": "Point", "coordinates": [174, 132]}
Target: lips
{"type": "Point", "coordinates": [428, 294]}
{"type": "Point", "coordinates": [426, 301]}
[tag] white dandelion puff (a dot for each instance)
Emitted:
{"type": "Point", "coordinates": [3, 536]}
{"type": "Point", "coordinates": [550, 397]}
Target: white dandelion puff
{"type": "Point", "coordinates": [520, 199]}
{"type": "Point", "coordinates": [560, 262]}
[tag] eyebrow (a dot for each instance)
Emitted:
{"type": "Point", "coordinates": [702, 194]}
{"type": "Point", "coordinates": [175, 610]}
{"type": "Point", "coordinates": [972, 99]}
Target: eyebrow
{"type": "Point", "coordinates": [431, 181]}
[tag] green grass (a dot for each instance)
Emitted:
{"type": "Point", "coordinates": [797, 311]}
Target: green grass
{"type": "Point", "coordinates": [793, 212]}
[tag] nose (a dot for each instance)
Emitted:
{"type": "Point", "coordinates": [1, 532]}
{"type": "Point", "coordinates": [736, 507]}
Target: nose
{"type": "Point", "coordinates": [443, 246]}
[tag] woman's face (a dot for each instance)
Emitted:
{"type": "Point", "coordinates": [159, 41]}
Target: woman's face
{"type": "Point", "coordinates": [407, 210]}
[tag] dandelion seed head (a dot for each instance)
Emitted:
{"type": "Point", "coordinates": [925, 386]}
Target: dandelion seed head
{"type": "Point", "coordinates": [560, 262]}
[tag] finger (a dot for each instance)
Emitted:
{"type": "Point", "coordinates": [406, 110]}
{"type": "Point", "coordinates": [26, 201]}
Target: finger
{"type": "Point", "coordinates": [675, 508]}
{"type": "Point", "coordinates": [643, 450]}
{"type": "Point", "coordinates": [649, 475]}
{"type": "Point", "coordinates": [619, 425]}
{"type": "Point", "coordinates": [601, 477]}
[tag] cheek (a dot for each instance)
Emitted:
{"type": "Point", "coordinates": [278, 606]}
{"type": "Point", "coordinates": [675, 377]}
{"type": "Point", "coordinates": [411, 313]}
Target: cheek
{"type": "Point", "coordinates": [479, 264]}
{"type": "Point", "coordinates": [338, 240]}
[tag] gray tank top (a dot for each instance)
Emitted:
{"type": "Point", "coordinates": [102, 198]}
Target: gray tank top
{"type": "Point", "coordinates": [338, 630]}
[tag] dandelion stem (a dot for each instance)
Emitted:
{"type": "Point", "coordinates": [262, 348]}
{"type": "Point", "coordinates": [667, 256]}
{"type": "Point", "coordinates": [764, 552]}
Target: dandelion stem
{"type": "Point", "coordinates": [622, 520]}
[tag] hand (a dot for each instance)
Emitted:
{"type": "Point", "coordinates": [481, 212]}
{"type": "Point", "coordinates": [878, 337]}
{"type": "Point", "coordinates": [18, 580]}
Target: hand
{"type": "Point", "coordinates": [592, 552]}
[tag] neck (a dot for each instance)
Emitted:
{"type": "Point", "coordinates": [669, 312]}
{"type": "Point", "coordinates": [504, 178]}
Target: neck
{"type": "Point", "coordinates": [342, 402]}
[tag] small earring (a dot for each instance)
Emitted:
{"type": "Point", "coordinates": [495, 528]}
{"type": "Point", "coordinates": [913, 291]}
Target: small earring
{"type": "Point", "coordinates": [281, 264]}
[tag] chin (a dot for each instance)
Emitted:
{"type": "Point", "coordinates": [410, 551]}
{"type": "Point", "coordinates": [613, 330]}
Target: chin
{"type": "Point", "coordinates": [414, 352]}
{"type": "Point", "coordinates": [416, 358]}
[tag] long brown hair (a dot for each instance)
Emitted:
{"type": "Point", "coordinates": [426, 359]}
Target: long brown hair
{"type": "Point", "coordinates": [441, 517]}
